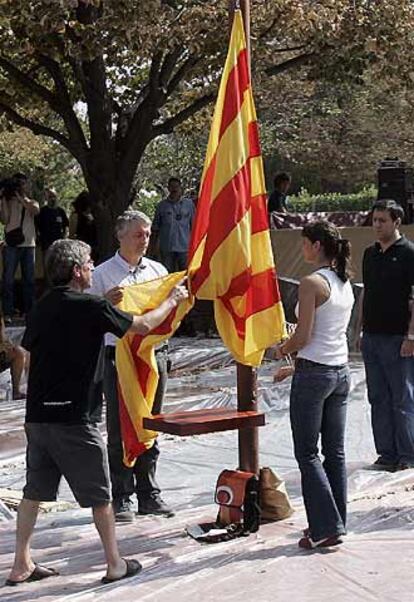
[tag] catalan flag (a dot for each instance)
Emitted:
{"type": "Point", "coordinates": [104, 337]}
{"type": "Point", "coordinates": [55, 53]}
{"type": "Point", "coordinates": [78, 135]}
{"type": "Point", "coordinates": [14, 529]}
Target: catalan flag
{"type": "Point", "coordinates": [136, 365]}
{"type": "Point", "coordinates": [231, 255]}
{"type": "Point", "coordinates": [231, 259]}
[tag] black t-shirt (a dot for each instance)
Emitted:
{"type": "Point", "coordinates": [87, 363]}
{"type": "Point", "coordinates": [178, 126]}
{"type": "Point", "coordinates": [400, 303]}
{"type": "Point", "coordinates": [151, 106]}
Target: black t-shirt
{"type": "Point", "coordinates": [388, 278]}
{"type": "Point", "coordinates": [51, 225]}
{"type": "Point", "coordinates": [64, 336]}
{"type": "Point", "coordinates": [277, 202]}
{"type": "Point", "coordinates": [86, 229]}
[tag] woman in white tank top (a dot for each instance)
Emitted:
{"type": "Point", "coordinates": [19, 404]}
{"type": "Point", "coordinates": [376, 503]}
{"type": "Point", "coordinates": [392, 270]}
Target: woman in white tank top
{"type": "Point", "coordinates": [320, 384]}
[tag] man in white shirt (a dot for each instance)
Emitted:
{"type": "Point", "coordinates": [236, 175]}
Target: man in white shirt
{"type": "Point", "coordinates": [130, 266]}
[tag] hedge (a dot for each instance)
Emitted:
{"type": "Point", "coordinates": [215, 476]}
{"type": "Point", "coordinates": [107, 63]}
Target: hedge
{"type": "Point", "coordinates": [305, 202]}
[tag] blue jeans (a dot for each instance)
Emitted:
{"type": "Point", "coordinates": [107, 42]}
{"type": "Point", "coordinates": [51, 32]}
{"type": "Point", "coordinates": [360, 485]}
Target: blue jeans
{"type": "Point", "coordinates": [390, 383]}
{"type": "Point", "coordinates": [318, 407]}
{"type": "Point", "coordinates": [12, 256]}
{"type": "Point", "coordinates": [174, 262]}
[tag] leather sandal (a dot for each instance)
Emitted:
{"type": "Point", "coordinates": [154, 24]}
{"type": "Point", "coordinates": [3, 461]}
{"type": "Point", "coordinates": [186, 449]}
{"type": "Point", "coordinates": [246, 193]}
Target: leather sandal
{"type": "Point", "coordinates": [133, 567]}
{"type": "Point", "coordinates": [39, 572]}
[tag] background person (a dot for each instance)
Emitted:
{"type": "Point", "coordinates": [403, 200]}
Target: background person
{"type": "Point", "coordinates": [82, 224]}
{"type": "Point", "coordinates": [130, 266]}
{"type": "Point", "coordinates": [14, 357]}
{"type": "Point", "coordinates": [278, 198]}
{"type": "Point", "coordinates": [17, 212]}
{"type": "Point", "coordinates": [321, 380]}
{"type": "Point", "coordinates": [52, 222]}
{"type": "Point", "coordinates": [171, 227]}
{"type": "Point", "coordinates": [388, 337]}
{"type": "Point", "coordinates": [64, 336]}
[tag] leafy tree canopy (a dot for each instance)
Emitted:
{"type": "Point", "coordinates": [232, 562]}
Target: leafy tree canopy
{"type": "Point", "coordinates": [106, 77]}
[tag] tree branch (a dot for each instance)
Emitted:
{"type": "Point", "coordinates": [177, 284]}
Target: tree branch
{"type": "Point", "coordinates": [168, 65]}
{"type": "Point", "coordinates": [148, 104]}
{"type": "Point", "coordinates": [297, 61]}
{"type": "Point", "coordinates": [26, 81]}
{"type": "Point", "coordinates": [268, 29]}
{"type": "Point", "coordinates": [92, 76]}
{"type": "Point", "coordinates": [68, 114]}
{"type": "Point", "coordinates": [292, 49]}
{"type": "Point", "coordinates": [168, 126]}
{"type": "Point", "coordinates": [36, 128]}
{"type": "Point", "coordinates": [181, 71]}
{"type": "Point", "coordinates": [59, 102]}
{"type": "Point", "coordinates": [140, 130]}
{"type": "Point", "coordinates": [74, 63]}
{"type": "Point", "coordinates": [158, 88]}
{"type": "Point", "coordinates": [153, 77]}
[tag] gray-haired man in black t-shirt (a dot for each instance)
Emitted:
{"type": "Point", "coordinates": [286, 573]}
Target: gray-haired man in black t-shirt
{"type": "Point", "coordinates": [64, 335]}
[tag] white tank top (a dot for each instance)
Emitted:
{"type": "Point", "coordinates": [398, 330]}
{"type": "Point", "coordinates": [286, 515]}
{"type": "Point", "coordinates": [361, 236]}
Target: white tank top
{"type": "Point", "coordinates": [328, 343]}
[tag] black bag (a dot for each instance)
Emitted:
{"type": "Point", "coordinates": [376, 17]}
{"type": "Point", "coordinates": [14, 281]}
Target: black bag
{"type": "Point", "coordinates": [15, 237]}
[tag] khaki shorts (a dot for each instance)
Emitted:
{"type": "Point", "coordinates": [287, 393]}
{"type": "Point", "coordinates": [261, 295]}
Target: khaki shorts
{"type": "Point", "coordinates": [75, 451]}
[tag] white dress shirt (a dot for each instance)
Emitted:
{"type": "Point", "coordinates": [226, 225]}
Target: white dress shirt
{"type": "Point", "coordinates": [118, 272]}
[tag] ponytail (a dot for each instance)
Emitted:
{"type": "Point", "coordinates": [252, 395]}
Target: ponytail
{"type": "Point", "coordinates": [336, 249]}
{"type": "Point", "coordinates": [342, 260]}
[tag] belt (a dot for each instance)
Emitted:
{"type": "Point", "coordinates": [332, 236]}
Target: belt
{"type": "Point", "coordinates": [302, 362]}
{"type": "Point", "coordinates": [110, 351]}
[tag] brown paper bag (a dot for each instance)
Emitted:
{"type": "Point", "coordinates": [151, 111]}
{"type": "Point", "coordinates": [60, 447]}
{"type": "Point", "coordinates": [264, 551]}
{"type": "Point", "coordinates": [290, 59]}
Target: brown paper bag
{"type": "Point", "coordinates": [274, 500]}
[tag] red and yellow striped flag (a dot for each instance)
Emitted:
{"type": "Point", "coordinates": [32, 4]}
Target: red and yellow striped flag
{"type": "Point", "coordinates": [231, 254]}
{"type": "Point", "coordinates": [136, 365]}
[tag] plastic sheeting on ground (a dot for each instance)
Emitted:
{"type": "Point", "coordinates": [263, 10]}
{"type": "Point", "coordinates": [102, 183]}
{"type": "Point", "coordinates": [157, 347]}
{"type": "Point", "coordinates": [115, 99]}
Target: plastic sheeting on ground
{"type": "Point", "coordinates": [375, 563]}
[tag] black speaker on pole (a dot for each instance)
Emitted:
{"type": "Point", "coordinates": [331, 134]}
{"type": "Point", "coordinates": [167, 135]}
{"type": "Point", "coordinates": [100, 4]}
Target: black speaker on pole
{"type": "Point", "coordinates": [395, 181]}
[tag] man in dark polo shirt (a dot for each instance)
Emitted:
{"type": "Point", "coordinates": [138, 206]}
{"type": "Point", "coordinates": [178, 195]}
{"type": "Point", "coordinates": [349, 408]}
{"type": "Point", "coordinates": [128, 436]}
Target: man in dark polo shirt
{"type": "Point", "coordinates": [64, 336]}
{"type": "Point", "coordinates": [388, 337]}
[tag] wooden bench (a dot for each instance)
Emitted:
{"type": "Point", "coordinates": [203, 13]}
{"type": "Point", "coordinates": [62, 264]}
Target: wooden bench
{"type": "Point", "coordinates": [199, 422]}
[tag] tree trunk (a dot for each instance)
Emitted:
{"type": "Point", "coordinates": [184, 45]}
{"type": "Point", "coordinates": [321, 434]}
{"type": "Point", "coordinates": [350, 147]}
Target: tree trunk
{"type": "Point", "coordinates": [109, 201]}
{"type": "Point", "coordinates": [109, 185]}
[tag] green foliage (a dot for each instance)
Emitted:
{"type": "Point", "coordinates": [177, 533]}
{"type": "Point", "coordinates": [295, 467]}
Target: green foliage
{"type": "Point", "coordinates": [104, 79]}
{"type": "Point", "coordinates": [333, 201]}
{"type": "Point", "coordinates": [45, 162]}
{"type": "Point", "coordinates": [180, 154]}
{"type": "Point", "coordinates": [63, 173]}
{"type": "Point", "coordinates": [21, 151]}
{"type": "Point", "coordinates": [147, 202]}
